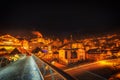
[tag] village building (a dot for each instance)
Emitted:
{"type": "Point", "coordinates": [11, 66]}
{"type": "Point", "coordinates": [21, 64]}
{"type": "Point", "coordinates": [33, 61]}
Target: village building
{"type": "Point", "coordinates": [96, 54]}
{"type": "Point", "coordinates": [115, 51]}
{"type": "Point", "coordinates": [71, 52]}
{"type": "Point", "coordinates": [3, 51]}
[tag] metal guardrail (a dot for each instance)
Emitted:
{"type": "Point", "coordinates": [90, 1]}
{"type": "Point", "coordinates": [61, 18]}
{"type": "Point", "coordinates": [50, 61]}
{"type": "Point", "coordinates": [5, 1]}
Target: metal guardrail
{"type": "Point", "coordinates": [52, 72]}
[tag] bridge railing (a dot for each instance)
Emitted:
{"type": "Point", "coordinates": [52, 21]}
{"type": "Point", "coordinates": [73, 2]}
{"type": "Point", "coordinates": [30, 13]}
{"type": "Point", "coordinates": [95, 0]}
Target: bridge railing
{"type": "Point", "coordinates": [51, 72]}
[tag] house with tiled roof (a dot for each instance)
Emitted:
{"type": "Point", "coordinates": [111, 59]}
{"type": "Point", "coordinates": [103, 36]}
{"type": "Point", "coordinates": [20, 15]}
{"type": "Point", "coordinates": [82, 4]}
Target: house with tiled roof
{"type": "Point", "coordinates": [96, 54]}
{"type": "Point", "coordinates": [71, 52]}
{"type": "Point", "coordinates": [115, 51]}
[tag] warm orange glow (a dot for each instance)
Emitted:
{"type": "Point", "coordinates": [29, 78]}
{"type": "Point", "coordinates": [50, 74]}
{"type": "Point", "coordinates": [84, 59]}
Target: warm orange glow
{"type": "Point", "coordinates": [53, 62]}
{"type": "Point", "coordinates": [105, 63]}
{"type": "Point", "coordinates": [9, 48]}
{"type": "Point", "coordinates": [47, 67]}
{"type": "Point", "coordinates": [118, 75]}
{"type": "Point", "coordinates": [25, 44]}
{"type": "Point", "coordinates": [37, 33]}
{"type": "Point", "coordinates": [15, 57]}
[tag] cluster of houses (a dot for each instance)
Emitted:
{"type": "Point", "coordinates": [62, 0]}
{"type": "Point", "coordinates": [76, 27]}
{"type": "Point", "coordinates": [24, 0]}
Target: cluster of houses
{"type": "Point", "coordinates": [66, 51]}
{"type": "Point", "coordinates": [92, 49]}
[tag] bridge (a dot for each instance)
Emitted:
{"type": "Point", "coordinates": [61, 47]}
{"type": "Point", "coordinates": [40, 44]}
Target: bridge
{"type": "Point", "coordinates": [33, 68]}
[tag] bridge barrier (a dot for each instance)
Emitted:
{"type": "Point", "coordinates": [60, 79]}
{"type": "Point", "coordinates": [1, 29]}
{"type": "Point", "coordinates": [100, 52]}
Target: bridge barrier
{"type": "Point", "coordinates": [51, 72]}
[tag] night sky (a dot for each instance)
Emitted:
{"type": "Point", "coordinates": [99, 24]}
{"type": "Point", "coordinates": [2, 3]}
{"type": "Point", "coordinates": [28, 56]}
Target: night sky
{"type": "Point", "coordinates": [59, 18]}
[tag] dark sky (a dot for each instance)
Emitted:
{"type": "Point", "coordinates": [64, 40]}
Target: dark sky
{"type": "Point", "coordinates": [54, 18]}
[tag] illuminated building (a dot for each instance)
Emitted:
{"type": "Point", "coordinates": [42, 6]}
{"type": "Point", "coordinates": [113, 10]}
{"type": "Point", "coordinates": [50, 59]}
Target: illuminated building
{"type": "Point", "coordinates": [115, 51]}
{"type": "Point", "coordinates": [38, 42]}
{"type": "Point", "coordinates": [71, 52]}
{"type": "Point", "coordinates": [3, 51]}
{"type": "Point", "coordinates": [25, 44]}
{"type": "Point", "coordinates": [96, 54]}
{"type": "Point", "coordinates": [9, 42]}
{"type": "Point", "coordinates": [67, 56]}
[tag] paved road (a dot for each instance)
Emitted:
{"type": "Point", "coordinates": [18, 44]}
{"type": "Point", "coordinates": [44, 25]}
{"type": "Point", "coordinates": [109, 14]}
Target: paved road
{"type": "Point", "coordinates": [23, 69]}
{"type": "Point", "coordinates": [101, 70]}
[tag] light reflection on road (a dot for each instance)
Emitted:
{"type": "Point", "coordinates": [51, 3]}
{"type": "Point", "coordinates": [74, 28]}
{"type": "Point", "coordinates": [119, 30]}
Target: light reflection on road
{"type": "Point", "coordinates": [100, 70]}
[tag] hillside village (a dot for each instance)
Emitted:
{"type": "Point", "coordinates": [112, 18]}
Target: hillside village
{"type": "Point", "coordinates": [65, 51]}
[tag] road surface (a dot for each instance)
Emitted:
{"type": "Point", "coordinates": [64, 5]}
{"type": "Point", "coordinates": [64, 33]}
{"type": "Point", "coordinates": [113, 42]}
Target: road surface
{"type": "Point", "coordinates": [101, 70]}
{"type": "Point", "coordinates": [23, 69]}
